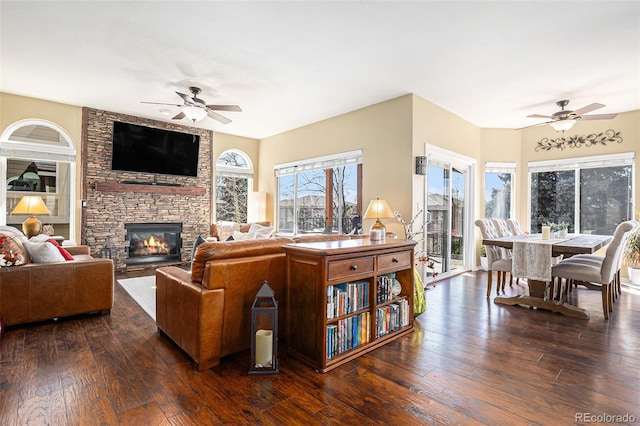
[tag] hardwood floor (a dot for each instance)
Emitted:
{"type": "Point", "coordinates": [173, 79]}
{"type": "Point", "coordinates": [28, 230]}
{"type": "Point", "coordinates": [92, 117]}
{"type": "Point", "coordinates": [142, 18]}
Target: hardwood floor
{"type": "Point", "coordinates": [468, 362]}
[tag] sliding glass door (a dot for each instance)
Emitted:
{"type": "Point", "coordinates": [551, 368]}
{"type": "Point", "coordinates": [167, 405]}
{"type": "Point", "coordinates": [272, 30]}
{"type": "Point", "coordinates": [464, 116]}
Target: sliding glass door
{"type": "Point", "coordinates": [448, 184]}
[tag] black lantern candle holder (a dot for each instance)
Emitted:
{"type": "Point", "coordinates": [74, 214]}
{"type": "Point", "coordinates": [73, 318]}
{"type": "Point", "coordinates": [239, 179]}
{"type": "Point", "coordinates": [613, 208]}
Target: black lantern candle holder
{"type": "Point", "coordinates": [264, 332]}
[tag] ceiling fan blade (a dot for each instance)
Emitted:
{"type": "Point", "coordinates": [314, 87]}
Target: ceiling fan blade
{"type": "Point", "coordinates": [159, 103]}
{"type": "Point", "coordinates": [186, 98]}
{"type": "Point", "coordinates": [588, 108]}
{"type": "Point", "coordinates": [218, 117]}
{"type": "Point", "coordinates": [179, 116]}
{"type": "Point", "coordinates": [234, 108]}
{"type": "Point", "coordinates": [535, 125]}
{"type": "Point", "coordinates": [598, 117]}
{"type": "Point", "coordinates": [538, 116]}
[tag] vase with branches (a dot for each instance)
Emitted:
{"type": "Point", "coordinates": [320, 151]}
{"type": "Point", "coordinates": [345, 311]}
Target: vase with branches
{"type": "Point", "coordinates": [417, 235]}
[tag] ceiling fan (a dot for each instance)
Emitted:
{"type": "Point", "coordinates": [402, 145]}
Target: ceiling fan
{"type": "Point", "coordinates": [565, 119]}
{"type": "Point", "coordinates": [195, 109]}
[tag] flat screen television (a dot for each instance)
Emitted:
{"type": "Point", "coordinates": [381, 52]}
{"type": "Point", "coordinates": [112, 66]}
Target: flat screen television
{"type": "Point", "coordinates": [150, 150]}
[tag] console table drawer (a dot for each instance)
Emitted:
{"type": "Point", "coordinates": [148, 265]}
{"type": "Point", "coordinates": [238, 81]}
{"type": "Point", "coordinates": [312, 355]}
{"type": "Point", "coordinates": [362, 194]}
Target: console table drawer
{"type": "Point", "coordinates": [400, 260]}
{"type": "Point", "coordinates": [348, 268]}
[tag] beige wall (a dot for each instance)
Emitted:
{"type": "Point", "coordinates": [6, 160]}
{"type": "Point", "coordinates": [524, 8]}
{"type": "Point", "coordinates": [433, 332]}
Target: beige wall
{"type": "Point", "coordinates": [15, 108]}
{"type": "Point", "coordinates": [382, 131]}
{"type": "Point", "coordinates": [436, 126]}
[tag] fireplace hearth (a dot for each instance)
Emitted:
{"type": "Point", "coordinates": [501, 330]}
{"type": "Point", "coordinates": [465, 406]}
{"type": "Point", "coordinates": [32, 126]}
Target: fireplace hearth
{"type": "Point", "coordinates": [153, 243]}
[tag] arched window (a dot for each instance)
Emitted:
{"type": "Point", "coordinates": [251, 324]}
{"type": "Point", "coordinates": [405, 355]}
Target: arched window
{"type": "Point", "coordinates": [234, 182]}
{"type": "Point", "coordinates": [38, 157]}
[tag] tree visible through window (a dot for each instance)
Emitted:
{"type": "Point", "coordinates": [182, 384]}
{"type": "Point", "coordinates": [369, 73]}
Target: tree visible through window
{"type": "Point", "coordinates": [600, 195]}
{"type": "Point", "coordinates": [233, 181]}
{"type": "Point", "coordinates": [313, 198]}
{"type": "Point", "coordinates": [497, 195]}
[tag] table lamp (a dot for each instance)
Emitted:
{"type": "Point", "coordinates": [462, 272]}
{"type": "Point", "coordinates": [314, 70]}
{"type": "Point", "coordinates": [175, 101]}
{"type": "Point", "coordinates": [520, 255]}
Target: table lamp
{"type": "Point", "coordinates": [378, 209]}
{"type": "Point", "coordinates": [31, 205]}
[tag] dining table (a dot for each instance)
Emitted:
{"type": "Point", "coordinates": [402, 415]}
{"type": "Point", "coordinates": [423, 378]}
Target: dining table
{"type": "Point", "coordinates": [533, 258]}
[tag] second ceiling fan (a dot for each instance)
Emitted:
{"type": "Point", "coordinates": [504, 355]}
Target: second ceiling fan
{"type": "Point", "coordinates": [195, 109]}
{"type": "Point", "coordinates": [565, 119]}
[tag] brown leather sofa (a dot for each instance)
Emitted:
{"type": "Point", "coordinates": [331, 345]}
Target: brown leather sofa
{"type": "Point", "coordinates": [207, 312]}
{"type": "Point", "coordinates": [41, 291]}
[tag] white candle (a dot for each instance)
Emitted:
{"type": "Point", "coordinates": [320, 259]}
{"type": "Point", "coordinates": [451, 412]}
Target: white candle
{"type": "Point", "coordinates": [546, 232]}
{"type": "Point", "coordinates": [375, 235]}
{"type": "Point", "coordinates": [264, 347]}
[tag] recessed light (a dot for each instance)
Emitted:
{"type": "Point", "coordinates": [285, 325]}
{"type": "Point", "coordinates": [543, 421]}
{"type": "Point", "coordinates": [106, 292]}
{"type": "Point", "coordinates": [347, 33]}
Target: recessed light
{"type": "Point", "coordinates": [165, 111]}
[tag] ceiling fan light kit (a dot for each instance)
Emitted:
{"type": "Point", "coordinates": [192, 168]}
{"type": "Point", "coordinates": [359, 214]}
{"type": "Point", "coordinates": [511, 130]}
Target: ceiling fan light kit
{"type": "Point", "coordinates": [194, 113]}
{"type": "Point", "coordinates": [561, 126]}
{"type": "Point", "coordinates": [195, 109]}
{"type": "Point", "coordinates": [565, 119]}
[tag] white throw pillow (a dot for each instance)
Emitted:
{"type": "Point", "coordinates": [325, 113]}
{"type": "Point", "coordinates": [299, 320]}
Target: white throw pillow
{"type": "Point", "coordinates": [39, 238]}
{"type": "Point", "coordinates": [261, 231]}
{"type": "Point", "coordinates": [226, 229]}
{"type": "Point", "coordinates": [43, 252]}
{"type": "Point", "coordinates": [239, 236]}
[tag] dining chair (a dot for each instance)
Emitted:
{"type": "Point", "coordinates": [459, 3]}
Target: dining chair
{"type": "Point", "coordinates": [514, 226]}
{"type": "Point", "coordinates": [595, 274]}
{"type": "Point", "coordinates": [595, 259]}
{"type": "Point", "coordinates": [496, 260]}
{"type": "Point", "coordinates": [502, 227]}
{"type": "Point", "coordinates": [504, 230]}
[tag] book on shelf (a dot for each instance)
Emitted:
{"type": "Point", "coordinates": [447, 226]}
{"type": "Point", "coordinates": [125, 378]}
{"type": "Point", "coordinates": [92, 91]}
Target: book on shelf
{"type": "Point", "coordinates": [392, 317]}
{"type": "Point", "coordinates": [348, 333]}
{"type": "Point", "coordinates": [384, 288]}
{"type": "Point", "coordinates": [345, 298]}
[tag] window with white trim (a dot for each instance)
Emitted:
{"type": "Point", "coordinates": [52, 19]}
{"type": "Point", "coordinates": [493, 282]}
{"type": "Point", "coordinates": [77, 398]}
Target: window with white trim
{"type": "Point", "coordinates": [234, 181]}
{"type": "Point", "coordinates": [498, 190]}
{"type": "Point", "coordinates": [320, 194]}
{"type": "Point", "coordinates": [591, 194]}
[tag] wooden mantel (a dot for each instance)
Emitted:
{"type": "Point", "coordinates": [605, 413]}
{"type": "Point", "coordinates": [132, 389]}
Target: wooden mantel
{"type": "Point", "coordinates": [156, 188]}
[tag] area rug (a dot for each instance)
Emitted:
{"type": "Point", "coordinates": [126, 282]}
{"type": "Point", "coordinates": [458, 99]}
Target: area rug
{"type": "Point", "coordinates": [143, 291]}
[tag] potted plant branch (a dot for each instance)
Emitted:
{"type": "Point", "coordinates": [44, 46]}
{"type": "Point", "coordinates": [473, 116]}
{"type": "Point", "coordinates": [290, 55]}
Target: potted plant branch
{"type": "Point", "coordinates": [484, 263]}
{"type": "Point", "coordinates": [632, 257]}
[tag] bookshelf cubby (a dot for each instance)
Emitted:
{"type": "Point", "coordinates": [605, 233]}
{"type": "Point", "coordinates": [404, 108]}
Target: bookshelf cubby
{"type": "Point", "coordinates": [340, 298]}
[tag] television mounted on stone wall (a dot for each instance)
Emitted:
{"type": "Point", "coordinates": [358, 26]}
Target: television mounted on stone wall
{"type": "Point", "coordinates": [145, 149]}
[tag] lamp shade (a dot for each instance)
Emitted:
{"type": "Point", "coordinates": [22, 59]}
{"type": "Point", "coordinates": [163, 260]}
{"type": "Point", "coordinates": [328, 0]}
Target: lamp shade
{"type": "Point", "coordinates": [562, 125]}
{"type": "Point", "coordinates": [378, 209]}
{"type": "Point", "coordinates": [194, 113]}
{"type": "Point", "coordinates": [31, 204]}
{"type": "Point", "coordinates": [257, 207]}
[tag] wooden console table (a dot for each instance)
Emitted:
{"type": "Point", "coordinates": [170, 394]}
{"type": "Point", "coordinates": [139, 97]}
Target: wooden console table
{"type": "Point", "coordinates": [340, 301]}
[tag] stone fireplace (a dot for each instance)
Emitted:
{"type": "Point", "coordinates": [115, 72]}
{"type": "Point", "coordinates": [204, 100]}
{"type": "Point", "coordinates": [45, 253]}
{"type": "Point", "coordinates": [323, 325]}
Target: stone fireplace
{"type": "Point", "coordinates": [152, 243]}
{"type": "Point", "coordinates": [112, 201]}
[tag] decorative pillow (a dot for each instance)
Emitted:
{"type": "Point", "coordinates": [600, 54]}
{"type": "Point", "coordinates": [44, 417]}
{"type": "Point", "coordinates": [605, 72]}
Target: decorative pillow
{"type": "Point", "coordinates": [12, 250]}
{"type": "Point", "coordinates": [199, 241]}
{"type": "Point", "coordinates": [256, 232]}
{"type": "Point", "coordinates": [239, 236]}
{"type": "Point", "coordinates": [226, 229]}
{"type": "Point", "coordinates": [63, 252]}
{"type": "Point", "coordinates": [43, 252]}
{"type": "Point", "coordinates": [261, 231]}
{"type": "Point", "coordinates": [15, 231]}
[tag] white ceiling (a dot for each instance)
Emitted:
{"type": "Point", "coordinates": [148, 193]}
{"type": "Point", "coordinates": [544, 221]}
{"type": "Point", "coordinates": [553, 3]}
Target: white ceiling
{"type": "Point", "coordinates": [288, 64]}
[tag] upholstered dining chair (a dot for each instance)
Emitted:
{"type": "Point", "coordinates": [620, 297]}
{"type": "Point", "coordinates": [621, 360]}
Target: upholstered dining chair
{"type": "Point", "coordinates": [514, 226]}
{"type": "Point", "coordinates": [595, 274]}
{"type": "Point", "coordinates": [595, 259]}
{"type": "Point", "coordinates": [496, 261]}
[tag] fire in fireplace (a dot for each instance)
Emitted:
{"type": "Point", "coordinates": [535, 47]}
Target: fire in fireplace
{"type": "Point", "coordinates": [153, 243]}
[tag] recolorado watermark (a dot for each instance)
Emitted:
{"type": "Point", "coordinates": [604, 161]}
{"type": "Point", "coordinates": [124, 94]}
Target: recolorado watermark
{"type": "Point", "coordinates": [604, 418]}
